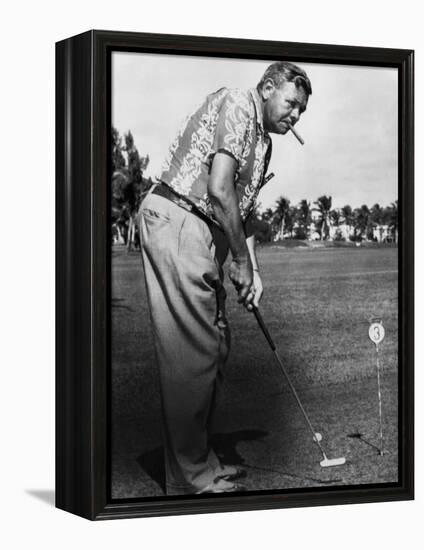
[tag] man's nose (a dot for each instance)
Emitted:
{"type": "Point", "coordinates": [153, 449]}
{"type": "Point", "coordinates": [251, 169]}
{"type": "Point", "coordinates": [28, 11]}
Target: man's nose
{"type": "Point", "coordinates": [294, 116]}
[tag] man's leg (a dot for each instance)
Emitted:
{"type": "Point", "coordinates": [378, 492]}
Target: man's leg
{"type": "Point", "coordinates": [182, 280]}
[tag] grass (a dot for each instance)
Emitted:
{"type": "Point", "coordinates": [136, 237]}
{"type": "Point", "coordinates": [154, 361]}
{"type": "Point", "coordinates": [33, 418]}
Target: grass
{"type": "Point", "coordinates": [317, 305]}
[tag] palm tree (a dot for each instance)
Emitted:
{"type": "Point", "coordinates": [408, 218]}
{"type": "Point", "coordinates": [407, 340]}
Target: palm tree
{"type": "Point", "coordinates": [324, 207]}
{"type": "Point", "coordinates": [291, 220]}
{"type": "Point", "coordinates": [268, 214]}
{"type": "Point", "coordinates": [268, 217]}
{"type": "Point", "coordinates": [134, 188]}
{"type": "Point", "coordinates": [348, 217]}
{"type": "Point", "coordinates": [363, 222]}
{"type": "Point", "coordinates": [393, 220]}
{"type": "Point", "coordinates": [119, 211]}
{"type": "Point", "coordinates": [335, 217]}
{"type": "Point", "coordinates": [128, 184]}
{"type": "Point", "coordinates": [377, 214]}
{"type": "Point", "coordinates": [118, 160]}
{"type": "Point", "coordinates": [347, 214]}
{"type": "Point", "coordinates": [377, 219]}
{"type": "Point", "coordinates": [304, 218]}
{"type": "Point", "coordinates": [281, 215]}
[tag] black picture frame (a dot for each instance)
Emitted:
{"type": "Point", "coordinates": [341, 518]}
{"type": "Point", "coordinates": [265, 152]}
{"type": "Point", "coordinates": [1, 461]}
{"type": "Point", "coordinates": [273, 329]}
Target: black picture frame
{"type": "Point", "coordinates": [82, 271]}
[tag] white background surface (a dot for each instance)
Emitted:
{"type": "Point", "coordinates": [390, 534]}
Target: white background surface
{"type": "Point", "coordinates": [29, 30]}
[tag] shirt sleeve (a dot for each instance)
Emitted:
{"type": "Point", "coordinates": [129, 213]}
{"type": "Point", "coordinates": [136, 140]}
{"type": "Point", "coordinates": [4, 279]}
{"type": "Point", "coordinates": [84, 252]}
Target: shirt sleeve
{"type": "Point", "coordinates": [232, 125]}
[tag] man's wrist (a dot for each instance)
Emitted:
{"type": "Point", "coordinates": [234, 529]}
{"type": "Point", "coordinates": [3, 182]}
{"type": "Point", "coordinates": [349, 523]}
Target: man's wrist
{"type": "Point", "coordinates": [241, 258]}
{"type": "Point", "coordinates": [240, 253]}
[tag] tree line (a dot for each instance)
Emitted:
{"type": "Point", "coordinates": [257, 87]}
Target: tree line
{"type": "Point", "coordinates": [320, 221]}
{"type": "Point", "coordinates": [305, 220]}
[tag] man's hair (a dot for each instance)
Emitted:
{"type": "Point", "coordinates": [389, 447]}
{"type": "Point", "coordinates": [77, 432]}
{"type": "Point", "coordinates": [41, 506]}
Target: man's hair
{"type": "Point", "coordinates": [283, 71]}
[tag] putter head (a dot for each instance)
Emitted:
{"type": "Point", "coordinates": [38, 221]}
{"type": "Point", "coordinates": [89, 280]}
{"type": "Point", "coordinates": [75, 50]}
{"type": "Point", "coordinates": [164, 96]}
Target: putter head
{"type": "Point", "coordinates": [328, 462]}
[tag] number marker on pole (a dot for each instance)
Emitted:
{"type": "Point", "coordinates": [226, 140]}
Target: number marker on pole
{"type": "Point", "coordinates": [376, 334]}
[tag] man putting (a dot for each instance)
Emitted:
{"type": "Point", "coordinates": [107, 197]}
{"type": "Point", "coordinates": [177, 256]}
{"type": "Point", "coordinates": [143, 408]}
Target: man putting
{"type": "Point", "coordinates": [188, 222]}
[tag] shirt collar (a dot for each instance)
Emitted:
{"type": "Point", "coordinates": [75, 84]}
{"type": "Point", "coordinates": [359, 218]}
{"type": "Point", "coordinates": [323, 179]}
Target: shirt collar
{"type": "Point", "coordinates": [257, 102]}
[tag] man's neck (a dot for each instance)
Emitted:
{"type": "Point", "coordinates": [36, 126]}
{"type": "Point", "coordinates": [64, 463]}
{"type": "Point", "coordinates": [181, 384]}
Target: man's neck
{"type": "Point", "coordinates": [259, 105]}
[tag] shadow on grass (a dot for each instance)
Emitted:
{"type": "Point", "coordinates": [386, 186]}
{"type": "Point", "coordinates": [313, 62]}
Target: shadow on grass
{"type": "Point", "coordinates": [152, 462]}
{"type": "Point", "coordinates": [358, 435]}
{"type": "Point", "coordinates": [224, 444]}
{"type": "Point", "coordinates": [293, 475]}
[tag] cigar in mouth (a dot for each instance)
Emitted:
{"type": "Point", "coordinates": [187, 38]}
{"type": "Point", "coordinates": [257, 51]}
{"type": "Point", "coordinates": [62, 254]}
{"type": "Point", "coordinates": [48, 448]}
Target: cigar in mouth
{"type": "Point", "coordinates": [296, 135]}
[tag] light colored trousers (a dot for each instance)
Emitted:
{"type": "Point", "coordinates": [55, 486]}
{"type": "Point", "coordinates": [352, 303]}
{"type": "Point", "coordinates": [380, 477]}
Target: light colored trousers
{"type": "Point", "coordinates": [183, 272]}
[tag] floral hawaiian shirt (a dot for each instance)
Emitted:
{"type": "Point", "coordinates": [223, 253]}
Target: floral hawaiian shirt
{"type": "Point", "coordinates": [230, 121]}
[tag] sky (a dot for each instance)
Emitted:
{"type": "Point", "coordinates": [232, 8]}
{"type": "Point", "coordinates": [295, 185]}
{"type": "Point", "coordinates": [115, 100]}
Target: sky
{"type": "Point", "coordinates": [349, 128]}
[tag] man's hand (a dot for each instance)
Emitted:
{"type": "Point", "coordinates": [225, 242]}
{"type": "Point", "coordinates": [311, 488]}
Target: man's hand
{"type": "Point", "coordinates": [258, 288]}
{"type": "Point", "coordinates": [241, 275]}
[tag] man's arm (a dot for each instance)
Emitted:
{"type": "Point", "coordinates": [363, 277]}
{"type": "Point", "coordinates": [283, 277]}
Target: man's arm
{"type": "Point", "coordinates": [224, 202]}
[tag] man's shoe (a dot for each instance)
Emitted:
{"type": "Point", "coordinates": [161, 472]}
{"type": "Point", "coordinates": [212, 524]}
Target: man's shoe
{"type": "Point", "coordinates": [231, 473]}
{"type": "Point", "coordinates": [220, 485]}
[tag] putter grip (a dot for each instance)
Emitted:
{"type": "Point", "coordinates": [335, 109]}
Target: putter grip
{"type": "Point", "coordinates": [263, 327]}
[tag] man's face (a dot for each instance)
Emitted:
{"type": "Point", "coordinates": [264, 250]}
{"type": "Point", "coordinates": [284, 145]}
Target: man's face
{"type": "Point", "coordinates": [282, 105]}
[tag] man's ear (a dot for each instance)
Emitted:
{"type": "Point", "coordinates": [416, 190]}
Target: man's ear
{"type": "Point", "coordinates": [267, 89]}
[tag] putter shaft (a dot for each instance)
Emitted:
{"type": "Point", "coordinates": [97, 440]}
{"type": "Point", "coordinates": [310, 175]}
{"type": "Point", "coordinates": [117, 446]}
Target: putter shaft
{"type": "Point", "coordinates": [325, 463]}
{"type": "Point", "coordinates": [293, 389]}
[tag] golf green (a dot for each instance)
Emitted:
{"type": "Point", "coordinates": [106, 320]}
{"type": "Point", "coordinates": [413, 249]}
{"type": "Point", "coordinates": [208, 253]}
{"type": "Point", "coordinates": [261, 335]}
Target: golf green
{"type": "Point", "coordinates": [318, 304]}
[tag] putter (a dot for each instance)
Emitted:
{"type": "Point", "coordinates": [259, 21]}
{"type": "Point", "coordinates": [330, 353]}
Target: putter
{"type": "Point", "coordinates": [326, 462]}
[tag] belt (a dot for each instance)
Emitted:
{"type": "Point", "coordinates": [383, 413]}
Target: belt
{"type": "Point", "coordinates": [167, 192]}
